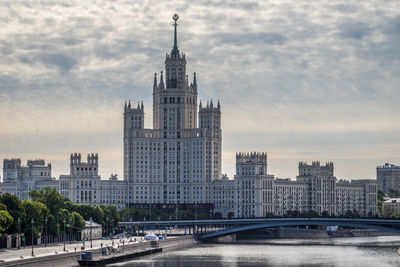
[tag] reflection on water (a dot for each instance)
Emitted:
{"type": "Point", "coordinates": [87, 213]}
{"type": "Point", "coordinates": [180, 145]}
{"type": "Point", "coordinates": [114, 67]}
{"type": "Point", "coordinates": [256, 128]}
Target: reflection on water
{"type": "Point", "coordinates": [365, 252]}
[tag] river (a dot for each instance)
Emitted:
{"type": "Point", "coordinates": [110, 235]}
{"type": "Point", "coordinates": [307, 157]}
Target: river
{"type": "Point", "coordinates": [363, 252]}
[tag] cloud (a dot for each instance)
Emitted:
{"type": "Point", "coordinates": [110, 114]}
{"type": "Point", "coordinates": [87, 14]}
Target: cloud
{"type": "Point", "coordinates": [354, 30]}
{"type": "Point", "coordinates": [298, 79]}
{"type": "Point", "coordinates": [345, 8]}
{"type": "Point", "coordinates": [240, 39]}
{"type": "Point", "coordinates": [392, 27]}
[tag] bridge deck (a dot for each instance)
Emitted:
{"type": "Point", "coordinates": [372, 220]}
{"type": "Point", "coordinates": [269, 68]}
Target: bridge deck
{"type": "Point", "coordinates": [325, 221]}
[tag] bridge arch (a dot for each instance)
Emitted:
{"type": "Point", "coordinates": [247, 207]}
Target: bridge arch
{"type": "Point", "coordinates": [296, 223]}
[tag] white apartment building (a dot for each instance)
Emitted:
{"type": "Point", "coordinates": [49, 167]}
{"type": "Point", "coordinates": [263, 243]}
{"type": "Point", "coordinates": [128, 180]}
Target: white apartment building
{"type": "Point", "coordinates": [253, 186]}
{"type": "Point", "coordinates": [223, 196]}
{"type": "Point", "coordinates": [177, 160]}
{"type": "Point", "coordinates": [258, 194]}
{"type": "Point", "coordinates": [321, 182]}
{"type": "Point", "coordinates": [84, 185]}
{"type": "Point", "coordinates": [388, 176]}
{"type": "Point", "coordinates": [290, 196]}
{"type": "Point", "coordinates": [20, 179]}
{"type": "Point", "coordinates": [114, 192]}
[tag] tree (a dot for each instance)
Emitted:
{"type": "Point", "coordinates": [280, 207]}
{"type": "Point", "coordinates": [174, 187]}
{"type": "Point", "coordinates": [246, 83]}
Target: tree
{"type": "Point", "coordinates": [325, 213]}
{"type": "Point", "coordinates": [36, 210]}
{"type": "Point", "coordinates": [112, 214]}
{"type": "Point", "coordinates": [5, 221]}
{"type": "Point", "coordinates": [77, 221]}
{"type": "Point", "coordinates": [50, 197]}
{"type": "Point", "coordinates": [380, 201]}
{"type": "Point", "coordinates": [3, 207]}
{"type": "Point", "coordinates": [14, 208]}
{"type": "Point", "coordinates": [292, 213]}
{"type": "Point", "coordinates": [393, 193]}
{"type": "Point", "coordinates": [349, 214]}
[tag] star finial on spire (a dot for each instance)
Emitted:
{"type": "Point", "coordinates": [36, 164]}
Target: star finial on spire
{"type": "Point", "coordinates": [175, 50]}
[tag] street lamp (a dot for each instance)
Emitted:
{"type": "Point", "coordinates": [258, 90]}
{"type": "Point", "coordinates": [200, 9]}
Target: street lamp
{"type": "Point", "coordinates": [176, 210]}
{"type": "Point", "coordinates": [64, 221]}
{"type": "Point", "coordinates": [19, 232]}
{"type": "Point", "coordinates": [45, 240]}
{"type": "Point", "coordinates": [108, 233]}
{"type": "Point", "coordinates": [159, 227]}
{"type": "Point", "coordinates": [150, 209]}
{"type": "Point", "coordinates": [112, 229]}
{"type": "Point", "coordinates": [70, 229]}
{"type": "Point", "coordinates": [91, 245]}
{"type": "Point", "coordinates": [32, 221]}
{"type": "Point", "coordinates": [170, 225]}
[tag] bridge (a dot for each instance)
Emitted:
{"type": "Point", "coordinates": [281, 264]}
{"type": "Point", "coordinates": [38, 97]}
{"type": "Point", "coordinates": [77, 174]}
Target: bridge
{"type": "Point", "coordinates": [209, 229]}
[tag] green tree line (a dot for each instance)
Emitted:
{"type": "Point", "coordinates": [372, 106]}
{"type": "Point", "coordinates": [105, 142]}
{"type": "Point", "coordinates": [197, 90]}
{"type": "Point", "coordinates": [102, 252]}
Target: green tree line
{"type": "Point", "coordinates": [49, 205]}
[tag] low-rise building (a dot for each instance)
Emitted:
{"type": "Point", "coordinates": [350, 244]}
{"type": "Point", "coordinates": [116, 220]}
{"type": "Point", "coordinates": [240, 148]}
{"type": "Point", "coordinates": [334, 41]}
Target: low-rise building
{"type": "Point", "coordinates": [92, 230]}
{"type": "Point", "coordinates": [391, 206]}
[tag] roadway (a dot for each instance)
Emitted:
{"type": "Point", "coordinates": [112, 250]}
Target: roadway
{"type": "Point", "coordinates": [327, 221]}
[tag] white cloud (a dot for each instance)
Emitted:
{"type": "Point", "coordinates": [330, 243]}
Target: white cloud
{"type": "Point", "coordinates": [301, 80]}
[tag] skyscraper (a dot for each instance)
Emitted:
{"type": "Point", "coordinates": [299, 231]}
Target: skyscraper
{"type": "Point", "coordinates": [176, 161]}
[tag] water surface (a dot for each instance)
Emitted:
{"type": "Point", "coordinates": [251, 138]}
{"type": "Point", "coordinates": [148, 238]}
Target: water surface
{"type": "Point", "coordinates": [363, 252]}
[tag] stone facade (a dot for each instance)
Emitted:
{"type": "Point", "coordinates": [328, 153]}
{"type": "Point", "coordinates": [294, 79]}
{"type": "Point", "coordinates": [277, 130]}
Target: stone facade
{"type": "Point", "coordinates": [114, 192]}
{"type": "Point", "coordinates": [84, 185]}
{"type": "Point", "coordinates": [258, 194]}
{"type": "Point", "coordinates": [223, 196]}
{"type": "Point", "coordinates": [321, 182]}
{"type": "Point", "coordinates": [177, 160]}
{"type": "Point", "coordinates": [388, 176]}
{"type": "Point", "coordinates": [20, 179]}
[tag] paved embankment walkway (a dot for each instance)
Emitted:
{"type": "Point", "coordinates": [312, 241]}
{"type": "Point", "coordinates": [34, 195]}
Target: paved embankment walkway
{"type": "Point", "coordinates": [54, 254]}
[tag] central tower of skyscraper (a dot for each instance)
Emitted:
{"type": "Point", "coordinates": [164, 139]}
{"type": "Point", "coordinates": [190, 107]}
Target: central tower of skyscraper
{"type": "Point", "coordinates": [176, 161]}
{"type": "Point", "coordinates": [175, 104]}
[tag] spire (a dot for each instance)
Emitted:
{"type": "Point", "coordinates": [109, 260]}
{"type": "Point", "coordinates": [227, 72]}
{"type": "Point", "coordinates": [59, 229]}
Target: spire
{"type": "Point", "coordinates": [138, 105]}
{"type": "Point", "coordinates": [200, 105]}
{"type": "Point", "coordinates": [155, 80]}
{"type": "Point", "coordinates": [175, 50]}
{"type": "Point", "coordinates": [161, 81]}
{"type": "Point", "coordinates": [211, 104]}
{"type": "Point", "coordinates": [125, 106]}
{"type": "Point", "coordinates": [194, 80]}
{"type": "Point", "coordinates": [141, 106]}
{"type": "Point", "coordinates": [129, 105]}
{"type": "Point", "coordinates": [218, 106]}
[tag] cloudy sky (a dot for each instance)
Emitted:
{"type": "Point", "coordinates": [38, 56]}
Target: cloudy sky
{"type": "Point", "coordinates": [300, 80]}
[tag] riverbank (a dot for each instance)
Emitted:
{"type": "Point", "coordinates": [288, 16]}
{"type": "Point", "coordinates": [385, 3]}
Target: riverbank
{"type": "Point", "coordinates": [71, 258]}
{"type": "Point", "coordinates": [378, 241]}
{"type": "Point", "coordinates": [302, 233]}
